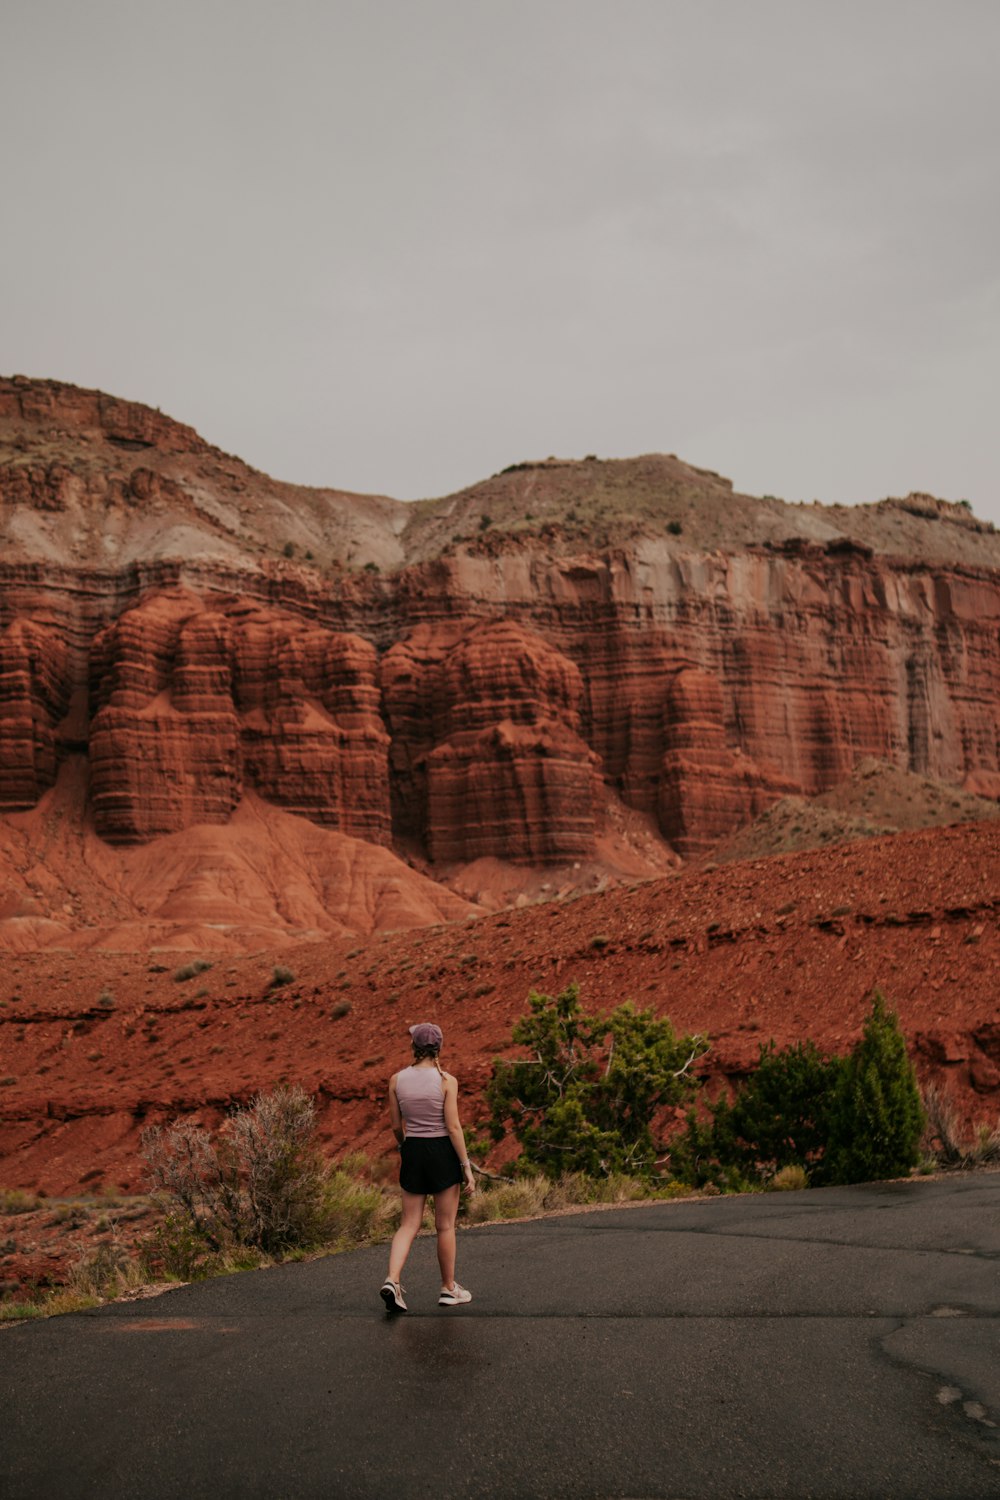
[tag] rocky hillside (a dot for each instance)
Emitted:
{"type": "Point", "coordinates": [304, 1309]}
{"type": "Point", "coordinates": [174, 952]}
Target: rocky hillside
{"type": "Point", "coordinates": [785, 948]}
{"type": "Point", "coordinates": [876, 798]}
{"type": "Point", "coordinates": [502, 675]}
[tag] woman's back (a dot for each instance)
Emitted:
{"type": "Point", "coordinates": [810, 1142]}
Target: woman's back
{"type": "Point", "coordinates": [420, 1092]}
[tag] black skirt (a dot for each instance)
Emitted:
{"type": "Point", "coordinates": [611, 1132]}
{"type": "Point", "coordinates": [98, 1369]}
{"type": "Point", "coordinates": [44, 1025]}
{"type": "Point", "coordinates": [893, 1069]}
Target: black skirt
{"type": "Point", "coordinates": [428, 1164]}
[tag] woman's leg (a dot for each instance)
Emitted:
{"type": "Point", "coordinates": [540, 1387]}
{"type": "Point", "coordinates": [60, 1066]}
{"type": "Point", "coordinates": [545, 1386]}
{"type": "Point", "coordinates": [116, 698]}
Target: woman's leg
{"type": "Point", "coordinates": [409, 1228]}
{"type": "Point", "coordinates": [445, 1214]}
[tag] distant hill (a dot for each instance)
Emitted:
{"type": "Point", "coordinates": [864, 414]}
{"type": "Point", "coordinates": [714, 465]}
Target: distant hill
{"type": "Point", "coordinates": [876, 799]}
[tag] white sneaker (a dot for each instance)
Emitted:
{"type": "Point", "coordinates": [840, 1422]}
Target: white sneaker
{"type": "Point", "coordinates": [391, 1293]}
{"type": "Point", "coordinates": [453, 1297]}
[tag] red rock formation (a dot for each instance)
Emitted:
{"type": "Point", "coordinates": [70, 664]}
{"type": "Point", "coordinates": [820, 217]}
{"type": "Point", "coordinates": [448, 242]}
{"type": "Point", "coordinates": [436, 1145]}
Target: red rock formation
{"type": "Point", "coordinates": [706, 788]}
{"type": "Point", "coordinates": [34, 696]}
{"type": "Point", "coordinates": [192, 703]}
{"type": "Point", "coordinates": [486, 744]}
{"type": "Point", "coordinates": [163, 755]}
{"type": "Point", "coordinates": [831, 634]}
{"type": "Point", "coordinates": [313, 741]}
{"type": "Point", "coordinates": [44, 403]}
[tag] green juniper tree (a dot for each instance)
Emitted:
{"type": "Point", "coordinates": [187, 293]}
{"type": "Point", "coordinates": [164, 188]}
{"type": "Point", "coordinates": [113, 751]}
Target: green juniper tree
{"type": "Point", "coordinates": [586, 1098]}
{"type": "Point", "coordinates": [843, 1119]}
{"type": "Point", "coordinates": [877, 1118]}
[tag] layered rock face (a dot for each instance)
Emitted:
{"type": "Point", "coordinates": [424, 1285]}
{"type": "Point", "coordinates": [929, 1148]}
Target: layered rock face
{"type": "Point", "coordinates": [563, 631]}
{"type": "Point", "coordinates": [486, 744]}
{"type": "Point", "coordinates": [706, 788]}
{"type": "Point", "coordinates": [34, 696]}
{"type": "Point", "coordinates": [194, 702]}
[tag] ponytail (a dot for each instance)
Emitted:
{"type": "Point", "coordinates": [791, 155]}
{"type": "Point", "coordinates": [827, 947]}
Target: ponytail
{"type": "Point", "coordinates": [419, 1053]}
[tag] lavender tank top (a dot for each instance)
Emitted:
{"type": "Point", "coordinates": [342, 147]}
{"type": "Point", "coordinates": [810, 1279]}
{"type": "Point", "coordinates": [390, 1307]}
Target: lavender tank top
{"type": "Point", "coordinates": [420, 1092]}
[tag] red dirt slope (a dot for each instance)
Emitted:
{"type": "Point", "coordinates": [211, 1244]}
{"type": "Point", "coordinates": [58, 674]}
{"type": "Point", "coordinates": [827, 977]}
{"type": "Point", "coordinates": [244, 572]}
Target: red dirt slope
{"type": "Point", "coordinates": [787, 947]}
{"type": "Point", "coordinates": [265, 879]}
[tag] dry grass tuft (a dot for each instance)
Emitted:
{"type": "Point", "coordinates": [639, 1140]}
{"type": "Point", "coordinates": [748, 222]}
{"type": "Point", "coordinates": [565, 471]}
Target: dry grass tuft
{"type": "Point", "coordinates": [790, 1179]}
{"type": "Point", "coordinates": [945, 1142]}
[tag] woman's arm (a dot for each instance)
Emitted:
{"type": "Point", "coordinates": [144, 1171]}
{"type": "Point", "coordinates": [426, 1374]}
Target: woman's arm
{"type": "Point", "coordinates": [454, 1128]}
{"type": "Point", "coordinates": [395, 1117]}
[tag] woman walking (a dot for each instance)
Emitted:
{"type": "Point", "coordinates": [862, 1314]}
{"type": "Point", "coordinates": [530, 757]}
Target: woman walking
{"type": "Point", "coordinates": [423, 1108]}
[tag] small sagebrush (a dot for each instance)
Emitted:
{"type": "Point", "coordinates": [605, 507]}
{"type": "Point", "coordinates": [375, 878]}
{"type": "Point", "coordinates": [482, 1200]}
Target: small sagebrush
{"type": "Point", "coordinates": [790, 1179]}
{"type": "Point", "coordinates": [18, 1201]}
{"type": "Point", "coordinates": [189, 971]}
{"type": "Point", "coordinates": [945, 1141]}
{"type": "Point", "coordinates": [261, 1183]}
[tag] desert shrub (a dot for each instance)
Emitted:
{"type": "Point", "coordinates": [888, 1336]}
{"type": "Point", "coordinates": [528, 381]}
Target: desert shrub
{"type": "Point", "coordinates": [876, 1117]}
{"type": "Point", "coordinates": [534, 1193]}
{"type": "Point", "coordinates": [675, 528]}
{"type": "Point", "coordinates": [101, 1272]}
{"type": "Point", "coordinates": [984, 1149]}
{"type": "Point", "coordinates": [840, 1119]}
{"type": "Point", "coordinates": [188, 971]}
{"type": "Point", "coordinates": [705, 1157]}
{"type": "Point", "coordinates": [17, 1312]}
{"type": "Point", "coordinates": [942, 1129]}
{"type": "Point", "coordinates": [586, 1098]}
{"type": "Point", "coordinates": [520, 1199]}
{"type": "Point", "coordinates": [280, 975]}
{"type": "Point", "coordinates": [106, 1000]}
{"type": "Point", "coordinates": [946, 1144]}
{"type": "Point", "coordinates": [261, 1183]}
{"type": "Point", "coordinates": [18, 1201]}
{"type": "Point", "coordinates": [177, 1249]}
{"type": "Point", "coordinates": [789, 1180]}
{"type": "Point", "coordinates": [780, 1115]}
{"type": "Point", "coordinates": [288, 550]}
{"type": "Point", "coordinates": [354, 1211]}
{"type": "Point", "coordinates": [341, 1009]}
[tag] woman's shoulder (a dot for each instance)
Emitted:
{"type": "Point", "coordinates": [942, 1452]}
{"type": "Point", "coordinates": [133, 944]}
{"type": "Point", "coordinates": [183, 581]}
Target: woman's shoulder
{"type": "Point", "coordinates": [449, 1077]}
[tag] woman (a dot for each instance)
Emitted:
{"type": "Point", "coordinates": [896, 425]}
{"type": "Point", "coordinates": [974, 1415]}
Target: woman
{"type": "Point", "coordinates": [423, 1108]}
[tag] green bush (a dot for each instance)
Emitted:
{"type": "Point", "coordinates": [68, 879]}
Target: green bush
{"type": "Point", "coordinates": [877, 1118]}
{"type": "Point", "coordinates": [853, 1119]}
{"type": "Point", "coordinates": [586, 1098]}
{"type": "Point", "coordinates": [780, 1116]}
{"type": "Point", "coordinates": [176, 1249]}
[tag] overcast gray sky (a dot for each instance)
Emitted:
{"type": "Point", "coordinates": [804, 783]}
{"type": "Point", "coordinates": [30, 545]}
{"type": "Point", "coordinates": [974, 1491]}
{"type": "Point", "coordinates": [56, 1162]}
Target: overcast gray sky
{"type": "Point", "coordinates": [395, 246]}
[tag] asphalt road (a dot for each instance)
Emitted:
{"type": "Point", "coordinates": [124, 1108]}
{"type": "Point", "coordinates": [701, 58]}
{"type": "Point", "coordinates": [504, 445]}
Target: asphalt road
{"type": "Point", "coordinates": [843, 1342]}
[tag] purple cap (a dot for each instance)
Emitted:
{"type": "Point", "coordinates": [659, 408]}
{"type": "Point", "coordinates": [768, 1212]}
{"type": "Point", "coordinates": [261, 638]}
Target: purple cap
{"type": "Point", "coordinates": [426, 1034]}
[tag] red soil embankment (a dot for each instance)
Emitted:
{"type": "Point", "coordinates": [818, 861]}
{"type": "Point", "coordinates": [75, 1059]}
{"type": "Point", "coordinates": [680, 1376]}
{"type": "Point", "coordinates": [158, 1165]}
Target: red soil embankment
{"type": "Point", "coordinates": [788, 947]}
